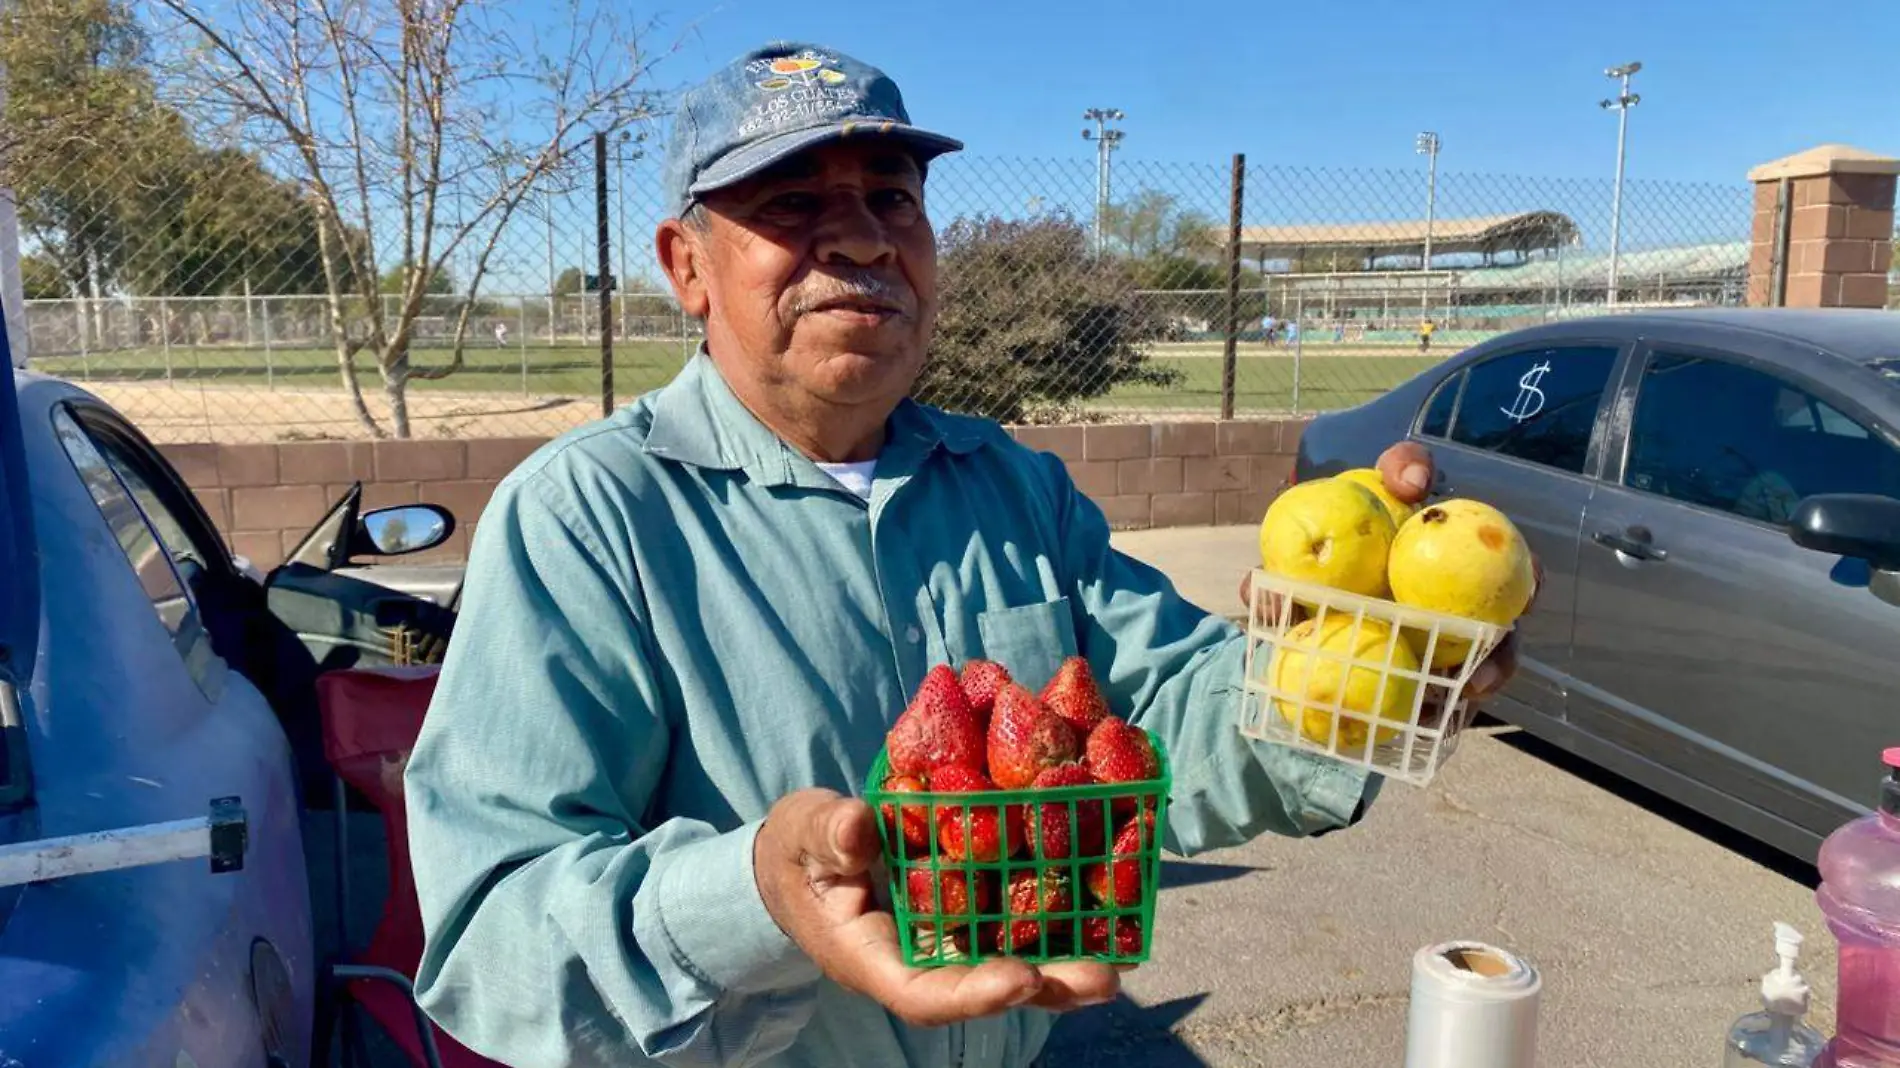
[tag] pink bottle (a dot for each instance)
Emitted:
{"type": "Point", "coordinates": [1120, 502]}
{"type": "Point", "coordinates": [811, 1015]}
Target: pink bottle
{"type": "Point", "coordinates": [1860, 895]}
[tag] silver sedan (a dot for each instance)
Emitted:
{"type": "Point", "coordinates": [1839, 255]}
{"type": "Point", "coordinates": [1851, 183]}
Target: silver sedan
{"type": "Point", "coordinates": [1715, 497]}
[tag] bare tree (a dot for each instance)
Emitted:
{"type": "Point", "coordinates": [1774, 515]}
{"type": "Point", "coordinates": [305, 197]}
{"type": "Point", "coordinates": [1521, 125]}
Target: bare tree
{"type": "Point", "coordinates": [417, 129]}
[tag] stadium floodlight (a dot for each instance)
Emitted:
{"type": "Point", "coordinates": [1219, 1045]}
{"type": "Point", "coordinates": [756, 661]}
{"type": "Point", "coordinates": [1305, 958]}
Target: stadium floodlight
{"type": "Point", "coordinates": [1428, 144]}
{"type": "Point", "coordinates": [1624, 101]}
{"type": "Point", "coordinates": [1106, 141]}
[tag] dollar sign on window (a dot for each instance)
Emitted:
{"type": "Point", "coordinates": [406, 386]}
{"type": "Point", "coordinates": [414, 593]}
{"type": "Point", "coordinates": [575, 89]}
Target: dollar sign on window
{"type": "Point", "coordinates": [1530, 399]}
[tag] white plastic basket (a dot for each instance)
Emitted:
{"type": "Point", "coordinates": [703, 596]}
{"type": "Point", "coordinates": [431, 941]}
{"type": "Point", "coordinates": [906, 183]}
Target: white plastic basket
{"type": "Point", "coordinates": [1395, 713]}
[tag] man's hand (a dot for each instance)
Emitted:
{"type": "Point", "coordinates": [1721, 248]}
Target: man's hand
{"type": "Point", "coordinates": [1406, 469]}
{"type": "Point", "coordinates": [813, 859]}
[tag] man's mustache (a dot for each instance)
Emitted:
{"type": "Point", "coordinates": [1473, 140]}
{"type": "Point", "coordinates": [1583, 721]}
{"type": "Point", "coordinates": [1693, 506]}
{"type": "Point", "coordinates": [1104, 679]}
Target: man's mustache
{"type": "Point", "coordinates": [859, 284]}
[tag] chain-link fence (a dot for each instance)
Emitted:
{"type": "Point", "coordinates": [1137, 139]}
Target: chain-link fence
{"type": "Point", "coordinates": [267, 222]}
{"type": "Point", "coordinates": [206, 327]}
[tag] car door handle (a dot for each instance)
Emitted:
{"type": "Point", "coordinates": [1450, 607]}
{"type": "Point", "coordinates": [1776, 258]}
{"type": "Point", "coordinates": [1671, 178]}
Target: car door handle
{"type": "Point", "coordinates": [1635, 544]}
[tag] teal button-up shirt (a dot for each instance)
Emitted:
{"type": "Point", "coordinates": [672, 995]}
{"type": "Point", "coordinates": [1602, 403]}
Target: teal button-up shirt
{"type": "Point", "coordinates": [672, 619]}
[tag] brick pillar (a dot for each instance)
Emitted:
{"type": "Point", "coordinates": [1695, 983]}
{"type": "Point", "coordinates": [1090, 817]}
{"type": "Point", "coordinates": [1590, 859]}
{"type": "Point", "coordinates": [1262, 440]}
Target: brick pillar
{"type": "Point", "coordinates": [1824, 226]}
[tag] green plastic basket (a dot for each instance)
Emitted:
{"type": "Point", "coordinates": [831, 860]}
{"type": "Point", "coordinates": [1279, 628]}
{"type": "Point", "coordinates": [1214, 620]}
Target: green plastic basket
{"type": "Point", "coordinates": [962, 914]}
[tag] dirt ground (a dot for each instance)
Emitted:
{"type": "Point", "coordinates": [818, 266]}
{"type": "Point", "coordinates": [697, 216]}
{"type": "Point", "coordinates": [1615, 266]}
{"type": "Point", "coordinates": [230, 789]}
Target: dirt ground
{"type": "Point", "coordinates": [178, 414]}
{"type": "Point", "coordinates": [237, 414]}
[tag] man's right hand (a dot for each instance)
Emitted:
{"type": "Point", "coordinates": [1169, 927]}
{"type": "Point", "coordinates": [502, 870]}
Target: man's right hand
{"type": "Point", "coordinates": [813, 859]}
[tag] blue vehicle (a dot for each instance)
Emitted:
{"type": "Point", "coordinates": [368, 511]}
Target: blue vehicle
{"type": "Point", "coordinates": [160, 752]}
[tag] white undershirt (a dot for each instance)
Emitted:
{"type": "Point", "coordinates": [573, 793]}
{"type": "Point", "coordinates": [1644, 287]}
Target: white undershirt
{"type": "Point", "coordinates": [855, 477]}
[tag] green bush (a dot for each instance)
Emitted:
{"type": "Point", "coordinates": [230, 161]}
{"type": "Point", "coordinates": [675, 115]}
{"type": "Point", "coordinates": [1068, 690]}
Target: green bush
{"type": "Point", "coordinates": [1032, 321]}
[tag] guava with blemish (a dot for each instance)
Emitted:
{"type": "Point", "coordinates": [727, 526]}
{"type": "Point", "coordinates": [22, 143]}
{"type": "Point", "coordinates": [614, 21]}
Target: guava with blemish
{"type": "Point", "coordinates": [1463, 558]}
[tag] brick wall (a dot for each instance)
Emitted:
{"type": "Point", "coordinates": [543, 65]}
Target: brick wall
{"type": "Point", "coordinates": [266, 497]}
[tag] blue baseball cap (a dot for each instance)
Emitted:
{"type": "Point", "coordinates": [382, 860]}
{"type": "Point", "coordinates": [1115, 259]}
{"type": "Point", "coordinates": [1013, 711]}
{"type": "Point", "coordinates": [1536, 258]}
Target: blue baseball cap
{"type": "Point", "coordinates": [775, 102]}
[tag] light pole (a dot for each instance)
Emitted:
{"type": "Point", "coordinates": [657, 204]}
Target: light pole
{"type": "Point", "coordinates": [1106, 141]}
{"type": "Point", "coordinates": [547, 210]}
{"type": "Point", "coordinates": [620, 195]}
{"type": "Point", "coordinates": [1625, 100]}
{"type": "Point", "coordinates": [1428, 145]}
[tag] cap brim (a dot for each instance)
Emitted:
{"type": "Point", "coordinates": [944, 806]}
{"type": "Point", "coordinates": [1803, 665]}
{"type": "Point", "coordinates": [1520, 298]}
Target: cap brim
{"type": "Point", "coordinates": [745, 162]}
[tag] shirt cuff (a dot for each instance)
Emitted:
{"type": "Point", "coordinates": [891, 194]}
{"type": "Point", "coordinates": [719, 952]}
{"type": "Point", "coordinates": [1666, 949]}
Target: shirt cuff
{"type": "Point", "coordinates": [1338, 794]}
{"type": "Point", "coordinates": [721, 933]}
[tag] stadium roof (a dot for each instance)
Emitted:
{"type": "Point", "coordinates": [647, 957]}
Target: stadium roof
{"type": "Point", "coordinates": [1574, 270]}
{"type": "Point", "coordinates": [1486, 233]}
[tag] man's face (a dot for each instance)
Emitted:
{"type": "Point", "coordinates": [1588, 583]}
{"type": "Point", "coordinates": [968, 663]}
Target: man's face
{"type": "Point", "coordinates": [820, 274]}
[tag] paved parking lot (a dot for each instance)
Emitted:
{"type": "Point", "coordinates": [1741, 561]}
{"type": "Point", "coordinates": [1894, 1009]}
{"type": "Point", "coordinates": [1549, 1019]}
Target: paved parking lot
{"type": "Point", "coordinates": [1650, 936]}
{"type": "Point", "coordinates": [1651, 928]}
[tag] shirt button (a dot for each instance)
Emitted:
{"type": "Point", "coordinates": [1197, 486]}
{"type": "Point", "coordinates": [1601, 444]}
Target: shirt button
{"type": "Point", "coordinates": [913, 635]}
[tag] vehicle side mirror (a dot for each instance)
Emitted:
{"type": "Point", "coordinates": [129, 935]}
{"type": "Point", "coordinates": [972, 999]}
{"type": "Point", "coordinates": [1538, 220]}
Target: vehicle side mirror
{"type": "Point", "coordinates": [408, 528]}
{"type": "Point", "coordinates": [1860, 526]}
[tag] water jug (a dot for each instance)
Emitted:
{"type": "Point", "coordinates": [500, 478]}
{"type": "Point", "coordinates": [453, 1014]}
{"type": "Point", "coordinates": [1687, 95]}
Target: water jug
{"type": "Point", "coordinates": [1860, 896]}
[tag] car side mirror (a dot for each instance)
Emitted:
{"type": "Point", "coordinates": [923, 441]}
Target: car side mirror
{"type": "Point", "coordinates": [408, 528]}
{"type": "Point", "coordinates": [1860, 526]}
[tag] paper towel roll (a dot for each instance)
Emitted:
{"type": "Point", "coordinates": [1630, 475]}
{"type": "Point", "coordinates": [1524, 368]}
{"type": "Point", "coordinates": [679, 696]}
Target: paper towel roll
{"type": "Point", "coordinates": [1473, 1006]}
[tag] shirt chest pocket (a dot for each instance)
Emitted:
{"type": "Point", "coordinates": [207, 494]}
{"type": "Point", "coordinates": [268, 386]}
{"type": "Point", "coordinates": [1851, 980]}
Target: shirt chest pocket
{"type": "Point", "coordinates": [1030, 640]}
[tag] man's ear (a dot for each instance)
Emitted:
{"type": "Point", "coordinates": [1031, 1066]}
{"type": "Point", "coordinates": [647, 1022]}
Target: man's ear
{"type": "Point", "coordinates": [679, 252]}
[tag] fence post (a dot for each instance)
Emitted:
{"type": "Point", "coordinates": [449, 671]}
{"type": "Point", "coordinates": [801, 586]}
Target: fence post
{"type": "Point", "coordinates": [1233, 286]}
{"type": "Point", "coordinates": [604, 251]}
{"type": "Point", "coordinates": [270, 368]}
{"type": "Point", "coordinates": [1299, 339]}
{"type": "Point", "coordinates": [165, 332]}
{"type": "Point", "coordinates": [521, 310]}
{"type": "Point", "coordinates": [85, 347]}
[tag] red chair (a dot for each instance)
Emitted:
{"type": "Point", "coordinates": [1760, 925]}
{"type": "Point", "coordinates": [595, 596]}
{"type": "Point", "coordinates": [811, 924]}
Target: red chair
{"type": "Point", "coordinates": [370, 721]}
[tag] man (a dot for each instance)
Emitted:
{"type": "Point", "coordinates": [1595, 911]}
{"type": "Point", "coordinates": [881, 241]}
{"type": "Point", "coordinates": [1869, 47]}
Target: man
{"type": "Point", "coordinates": [1425, 328]}
{"type": "Point", "coordinates": [687, 627]}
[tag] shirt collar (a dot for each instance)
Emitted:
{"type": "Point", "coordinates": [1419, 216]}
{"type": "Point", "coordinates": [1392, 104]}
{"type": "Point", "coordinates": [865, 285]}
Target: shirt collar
{"type": "Point", "coordinates": [698, 420]}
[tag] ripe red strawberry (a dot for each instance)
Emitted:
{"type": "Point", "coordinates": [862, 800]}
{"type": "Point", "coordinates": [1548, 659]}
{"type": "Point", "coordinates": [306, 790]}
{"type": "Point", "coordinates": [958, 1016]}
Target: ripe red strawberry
{"type": "Point", "coordinates": [1031, 892]}
{"type": "Point", "coordinates": [916, 829]}
{"type": "Point", "coordinates": [937, 729]}
{"type": "Point", "coordinates": [1126, 939]}
{"type": "Point", "coordinates": [1059, 840]}
{"type": "Point", "coordinates": [1025, 739]}
{"type": "Point", "coordinates": [948, 896]}
{"type": "Point", "coordinates": [1074, 698]}
{"type": "Point", "coordinates": [1124, 871]}
{"type": "Point", "coordinates": [985, 825]}
{"type": "Point", "coordinates": [982, 681]}
{"type": "Point", "coordinates": [1117, 752]}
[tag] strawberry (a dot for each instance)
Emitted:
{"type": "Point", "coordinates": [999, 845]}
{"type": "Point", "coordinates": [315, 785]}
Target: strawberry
{"type": "Point", "coordinates": [1126, 940]}
{"type": "Point", "coordinates": [982, 681]}
{"type": "Point", "coordinates": [1125, 870]}
{"type": "Point", "coordinates": [1073, 696]}
{"type": "Point", "coordinates": [1117, 752]}
{"type": "Point", "coordinates": [985, 827]}
{"type": "Point", "coordinates": [916, 831]}
{"type": "Point", "coordinates": [948, 896]}
{"type": "Point", "coordinates": [937, 729]}
{"type": "Point", "coordinates": [1025, 738]}
{"type": "Point", "coordinates": [1058, 842]}
{"type": "Point", "coordinates": [1031, 892]}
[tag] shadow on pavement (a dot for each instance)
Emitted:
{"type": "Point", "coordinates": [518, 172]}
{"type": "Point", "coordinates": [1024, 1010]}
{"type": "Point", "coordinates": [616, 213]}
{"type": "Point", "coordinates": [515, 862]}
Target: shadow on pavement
{"type": "Point", "coordinates": [1123, 1032]}
{"type": "Point", "coordinates": [1681, 815]}
{"type": "Point", "coordinates": [1176, 873]}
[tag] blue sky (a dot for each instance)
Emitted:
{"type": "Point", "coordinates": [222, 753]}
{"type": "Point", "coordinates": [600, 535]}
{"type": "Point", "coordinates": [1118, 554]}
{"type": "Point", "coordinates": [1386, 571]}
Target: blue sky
{"type": "Point", "coordinates": [1510, 85]}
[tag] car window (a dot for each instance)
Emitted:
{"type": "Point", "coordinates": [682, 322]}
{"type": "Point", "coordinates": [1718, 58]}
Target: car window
{"type": "Point", "coordinates": [1722, 435]}
{"type": "Point", "coordinates": [143, 547]}
{"type": "Point", "coordinates": [1538, 405]}
{"type": "Point", "coordinates": [1437, 420]}
{"type": "Point", "coordinates": [173, 529]}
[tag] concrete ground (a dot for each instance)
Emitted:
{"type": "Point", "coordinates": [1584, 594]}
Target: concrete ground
{"type": "Point", "coordinates": [1650, 926]}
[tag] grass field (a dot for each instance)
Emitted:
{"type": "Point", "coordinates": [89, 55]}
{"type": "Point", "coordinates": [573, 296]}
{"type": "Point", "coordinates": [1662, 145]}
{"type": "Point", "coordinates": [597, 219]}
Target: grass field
{"type": "Point", "coordinates": [1328, 376]}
